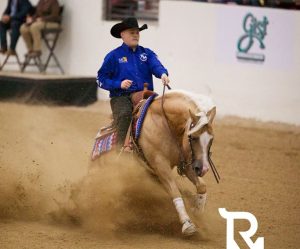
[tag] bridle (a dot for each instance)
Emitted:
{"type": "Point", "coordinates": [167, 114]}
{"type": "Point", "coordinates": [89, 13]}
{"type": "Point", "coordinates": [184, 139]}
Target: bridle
{"type": "Point", "coordinates": [183, 164]}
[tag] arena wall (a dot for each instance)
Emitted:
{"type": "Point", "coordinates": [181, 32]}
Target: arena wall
{"type": "Point", "coordinates": [197, 42]}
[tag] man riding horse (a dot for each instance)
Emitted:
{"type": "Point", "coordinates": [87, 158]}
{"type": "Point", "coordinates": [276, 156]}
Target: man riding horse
{"type": "Point", "coordinates": [183, 121]}
{"type": "Point", "coordinates": [125, 70]}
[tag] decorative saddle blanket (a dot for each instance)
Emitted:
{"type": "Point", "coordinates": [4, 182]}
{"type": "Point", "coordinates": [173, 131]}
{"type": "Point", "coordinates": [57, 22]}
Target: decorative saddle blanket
{"type": "Point", "coordinates": [105, 141]}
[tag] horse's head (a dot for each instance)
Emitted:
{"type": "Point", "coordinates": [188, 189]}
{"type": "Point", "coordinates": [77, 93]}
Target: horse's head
{"type": "Point", "coordinates": [198, 140]}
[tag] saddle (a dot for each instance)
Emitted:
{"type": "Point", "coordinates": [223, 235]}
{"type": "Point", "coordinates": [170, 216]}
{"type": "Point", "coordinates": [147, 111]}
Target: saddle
{"type": "Point", "coordinates": [106, 138]}
{"type": "Point", "coordinates": [139, 101]}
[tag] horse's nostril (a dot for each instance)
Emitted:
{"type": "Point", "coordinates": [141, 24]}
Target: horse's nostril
{"type": "Point", "coordinates": [198, 167]}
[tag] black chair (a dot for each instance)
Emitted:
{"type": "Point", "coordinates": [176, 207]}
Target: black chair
{"type": "Point", "coordinates": [50, 37]}
{"type": "Point", "coordinates": [37, 61]}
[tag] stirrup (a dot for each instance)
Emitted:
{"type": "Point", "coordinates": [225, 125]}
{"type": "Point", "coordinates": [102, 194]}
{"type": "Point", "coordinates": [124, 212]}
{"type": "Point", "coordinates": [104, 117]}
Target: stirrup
{"type": "Point", "coordinates": [127, 149]}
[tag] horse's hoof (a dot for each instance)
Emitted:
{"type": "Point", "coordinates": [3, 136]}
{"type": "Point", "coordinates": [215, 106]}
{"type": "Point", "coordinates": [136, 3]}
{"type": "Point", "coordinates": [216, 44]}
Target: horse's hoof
{"type": "Point", "coordinates": [188, 228]}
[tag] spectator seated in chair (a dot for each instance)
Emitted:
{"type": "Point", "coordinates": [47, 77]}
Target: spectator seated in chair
{"type": "Point", "coordinates": [13, 17]}
{"type": "Point", "coordinates": [47, 16]}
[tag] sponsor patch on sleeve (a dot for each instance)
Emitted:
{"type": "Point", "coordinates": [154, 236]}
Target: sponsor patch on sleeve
{"type": "Point", "coordinates": [123, 59]}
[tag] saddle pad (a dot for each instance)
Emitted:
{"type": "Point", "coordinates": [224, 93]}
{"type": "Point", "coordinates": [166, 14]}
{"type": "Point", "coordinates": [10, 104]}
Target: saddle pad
{"type": "Point", "coordinates": [139, 123]}
{"type": "Point", "coordinates": [104, 143]}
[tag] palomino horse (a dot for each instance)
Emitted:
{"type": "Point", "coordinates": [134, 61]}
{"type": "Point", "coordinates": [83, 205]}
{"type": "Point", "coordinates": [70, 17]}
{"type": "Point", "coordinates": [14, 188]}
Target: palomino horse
{"type": "Point", "coordinates": [179, 133]}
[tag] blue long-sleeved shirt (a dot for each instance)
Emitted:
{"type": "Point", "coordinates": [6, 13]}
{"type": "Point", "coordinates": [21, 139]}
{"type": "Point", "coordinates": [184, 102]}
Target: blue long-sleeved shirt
{"type": "Point", "coordinates": [123, 63]}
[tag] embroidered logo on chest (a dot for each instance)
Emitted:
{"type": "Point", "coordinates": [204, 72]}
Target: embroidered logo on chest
{"type": "Point", "coordinates": [123, 59]}
{"type": "Point", "coordinates": [143, 57]}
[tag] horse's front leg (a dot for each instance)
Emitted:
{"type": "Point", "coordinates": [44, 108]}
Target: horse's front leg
{"type": "Point", "coordinates": [201, 195]}
{"type": "Point", "coordinates": [164, 173]}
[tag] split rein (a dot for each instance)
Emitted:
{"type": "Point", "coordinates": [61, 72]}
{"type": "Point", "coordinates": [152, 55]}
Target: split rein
{"type": "Point", "coordinates": [183, 164]}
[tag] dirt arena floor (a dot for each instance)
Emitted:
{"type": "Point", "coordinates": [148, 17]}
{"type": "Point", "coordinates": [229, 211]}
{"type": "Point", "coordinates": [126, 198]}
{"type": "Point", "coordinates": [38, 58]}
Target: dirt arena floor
{"type": "Point", "coordinates": [51, 196]}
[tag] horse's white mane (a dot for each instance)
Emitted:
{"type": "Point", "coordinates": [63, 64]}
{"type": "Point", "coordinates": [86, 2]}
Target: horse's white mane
{"type": "Point", "coordinates": [203, 102]}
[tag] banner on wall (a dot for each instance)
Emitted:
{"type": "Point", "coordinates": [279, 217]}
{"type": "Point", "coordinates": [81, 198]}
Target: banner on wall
{"type": "Point", "coordinates": [253, 35]}
{"type": "Point", "coordinates": [253, 31]}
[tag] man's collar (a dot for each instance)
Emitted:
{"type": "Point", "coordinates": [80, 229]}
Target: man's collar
{"type": "Point", "coordinates": [129, 48]}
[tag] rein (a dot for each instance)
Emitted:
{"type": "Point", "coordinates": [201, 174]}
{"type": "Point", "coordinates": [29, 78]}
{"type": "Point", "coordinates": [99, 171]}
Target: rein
{"type": "Point", "coordinates": [183, 164]}
{"type": "Point", "coordinates": [213, 167]}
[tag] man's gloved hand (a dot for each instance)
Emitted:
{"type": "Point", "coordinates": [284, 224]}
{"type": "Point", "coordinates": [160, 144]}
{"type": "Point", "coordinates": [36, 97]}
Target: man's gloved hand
{"type": "Point", "coordinates": [165, 79]}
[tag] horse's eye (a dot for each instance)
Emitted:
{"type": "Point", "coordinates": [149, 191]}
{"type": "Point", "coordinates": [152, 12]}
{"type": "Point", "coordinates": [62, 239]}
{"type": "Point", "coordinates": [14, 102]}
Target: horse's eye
{"type": "Point", "coordinates": [192, 139]}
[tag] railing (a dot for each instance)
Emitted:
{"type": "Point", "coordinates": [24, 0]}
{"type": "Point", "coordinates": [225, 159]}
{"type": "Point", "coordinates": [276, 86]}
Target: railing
{"type": "Point", "coordinates": [282, 4]}
{"type": "Point", "coordinates": [148, 9]}
{"type": "Point", "coordinates": [141, 9]}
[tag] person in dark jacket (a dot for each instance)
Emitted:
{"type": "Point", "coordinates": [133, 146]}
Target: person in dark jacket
{"type": "Point", "coordinates": [125, 70]}
{"type": "Point", "coordinates": [13, 17]}
{"type": "Point", "coordinates": [47, 15]}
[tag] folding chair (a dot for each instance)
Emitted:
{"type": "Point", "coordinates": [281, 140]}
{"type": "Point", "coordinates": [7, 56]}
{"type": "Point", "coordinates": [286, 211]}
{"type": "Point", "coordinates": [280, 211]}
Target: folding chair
{"type": "Point", "coordinates": [36, 62]}
{"type": "Point", "coordinates": [50, 37]}
{"type": "Point", "coordinates": [7, 62]}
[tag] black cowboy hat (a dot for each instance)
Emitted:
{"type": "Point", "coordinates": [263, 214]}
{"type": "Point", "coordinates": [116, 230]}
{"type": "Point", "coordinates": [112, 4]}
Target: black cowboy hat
{"type": "Point", "coordinates": [127, 23]}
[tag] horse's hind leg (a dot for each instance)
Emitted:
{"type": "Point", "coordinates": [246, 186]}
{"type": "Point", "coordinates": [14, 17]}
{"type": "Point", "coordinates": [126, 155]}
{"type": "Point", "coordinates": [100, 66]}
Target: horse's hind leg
{"type": "Point", "coordinates": [201, 194]}
{"type": "Point", "coordinates": [166, 178]}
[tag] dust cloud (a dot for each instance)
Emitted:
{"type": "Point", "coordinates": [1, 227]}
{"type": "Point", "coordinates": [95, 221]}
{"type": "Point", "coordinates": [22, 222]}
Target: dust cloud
{"type": "Point", "coordinates": [46, 174]}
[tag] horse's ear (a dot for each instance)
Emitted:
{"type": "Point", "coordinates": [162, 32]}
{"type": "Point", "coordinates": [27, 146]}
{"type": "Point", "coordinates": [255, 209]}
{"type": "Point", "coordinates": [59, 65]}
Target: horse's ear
{"type": "Point", "coordinates": [201, 120]}
{"type": "Point", "coordinates": [194, 118]}
{"type": "Point", "coordinates": [211, 115]}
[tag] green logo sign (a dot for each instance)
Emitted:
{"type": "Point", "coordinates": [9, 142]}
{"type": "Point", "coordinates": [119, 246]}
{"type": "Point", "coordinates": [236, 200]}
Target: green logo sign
{"type": "Point", "coordinates": [254, 31]}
